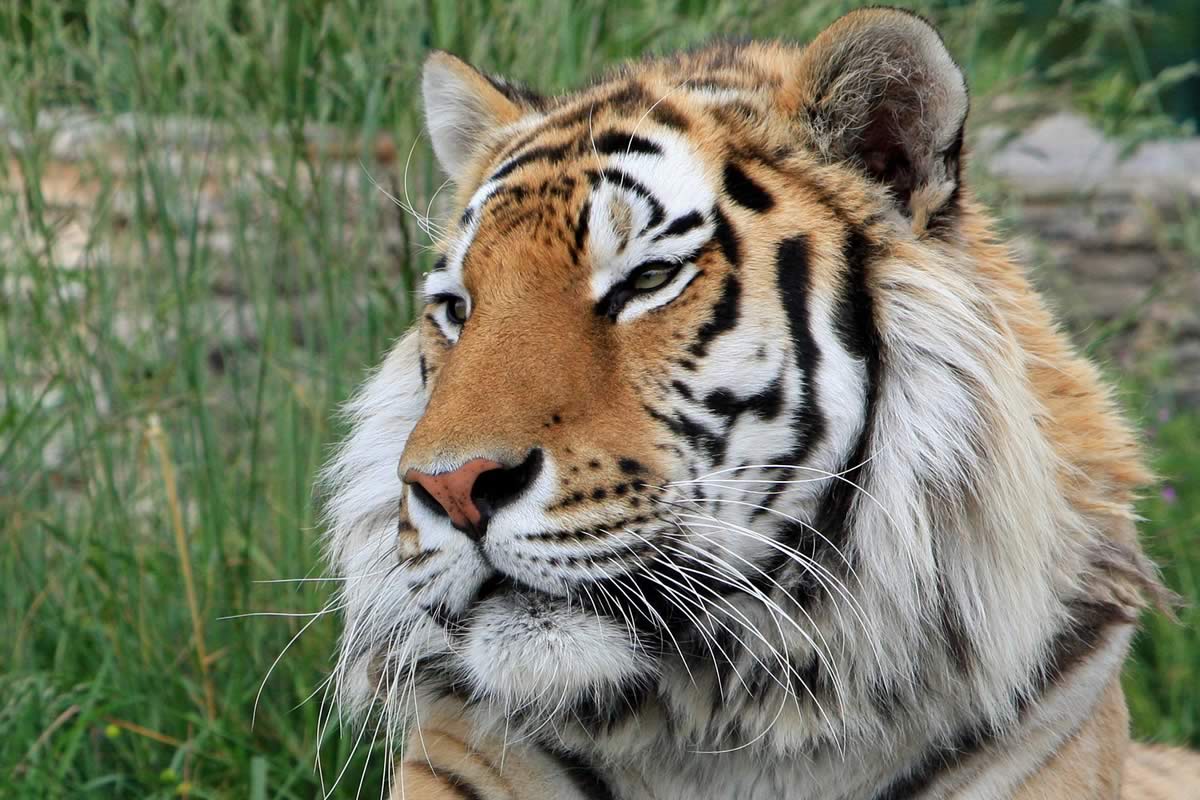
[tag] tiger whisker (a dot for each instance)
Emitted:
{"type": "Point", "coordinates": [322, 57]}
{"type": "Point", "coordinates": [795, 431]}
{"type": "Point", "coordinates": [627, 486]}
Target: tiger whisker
{"type": "Point", "coordinates": [693, 586]}
{"type": "Point", "coordinates": [776, 512]}
{"type": "Point", "coordinates": [433, 198]}
{"type": "Point", "coordinates": [831, 583]}
{"type": "Point", "coordinates": [814, 568]}
{"type": "Point", "coordinates": [823, 652]}
{"type": "Point", "coordinates": [663, 627]}
{"type": "Point", "coordinates": [649, 111]}
{"type": "Point", "coordinates": [283, 614]}
{"type": "Point", "coordinates": [429, 226]}
{"type": "Point", "coordinates": [691, 527]}
{"type": "Point", "coordinates": [649, 607]}
{"type": "Point", "coordinates": [711, 645]}
{"type": "Point", "coordinates": [275, 663]}
{"type": "Point", "coordinates": [821, 475]}
{"type": "Point", "coordinates": [350, 758]}
{"type": "Point", "coordinates": [781, 658]}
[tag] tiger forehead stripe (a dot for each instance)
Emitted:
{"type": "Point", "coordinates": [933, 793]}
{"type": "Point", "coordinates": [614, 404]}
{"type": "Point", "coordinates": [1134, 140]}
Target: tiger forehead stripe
{"type": "Point", "coordinates": [625, 99]}
{"type": "Point", "coordinates": [745, 191]}
{"type": "Point", "coordinates": [610, 142]}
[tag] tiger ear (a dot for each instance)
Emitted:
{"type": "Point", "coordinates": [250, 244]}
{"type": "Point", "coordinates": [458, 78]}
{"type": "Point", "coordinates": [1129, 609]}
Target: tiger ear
{"type": "Point", "coordinates": [465, 109]}
{"type": "Point", "coordinates": [879, 89]}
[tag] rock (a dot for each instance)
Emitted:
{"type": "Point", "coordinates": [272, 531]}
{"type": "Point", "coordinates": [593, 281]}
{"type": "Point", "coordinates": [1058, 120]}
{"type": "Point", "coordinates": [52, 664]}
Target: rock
{"type": "Point", "coordinates": [1064, 155]}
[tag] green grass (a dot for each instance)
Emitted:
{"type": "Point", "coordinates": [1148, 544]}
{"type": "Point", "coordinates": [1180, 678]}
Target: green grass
{"type": "Point", "coordinates": [142, 419]}
{"type": "Point", "coordinates": [1162, 682]}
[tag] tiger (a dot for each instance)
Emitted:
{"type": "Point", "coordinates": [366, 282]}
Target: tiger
{"type": "Point", "coordinates": [733, 455]}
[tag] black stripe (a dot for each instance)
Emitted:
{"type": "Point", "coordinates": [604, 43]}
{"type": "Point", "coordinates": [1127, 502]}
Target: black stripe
{"type": "Point", "coordinates": [587, 780]}
{"type": "Point", "coordinates": [724, 316]}
{"type": "Point", "coordinates": [1079, 637]}
{"type": "Point", "coordinates": [630, 97]}
{"type": "Point", "coordinates": [697, 435]}
{"type": "Point", "coordinates": [581, 225]}
{"type": "Point", "coordinates": [627, 181]}
{"type": "Point", "coordinates": [937, 760]}
{"type": "Point", "coordinates": [727, 238]}
{"type": "Point", "coordinates": [737, 115]}
{"type": "Point", "coordinates": [959, 645]}
{"type": "Point", "coordinates": [854, 316]}
{"type": "Point", "coordinates": [552, 153]}
{"type": "Point", "coordinates": [854, 323]}
{"type": "Point", "coordinates": [745, 191]}
{"type": "Point", "coordinates": [681, 225]}
{"type": "Point", "coordinates": [616, 143]}
{"type": "Point", "coordinates": [668, 116]}
{"type": "Point", "coordinates": [792, 279]}
{"type": "Point", "coordinates": [456, 782]}
{"type": "Point", "coordinates": [808, 422]}
{"type": "Point", "coordinates": [765, 405]}
{"type": "Point", "coordinates": [715, 84]}
{"type": "Point", "coordinates": [682, 389]}
{"type": "Point", "coordinates": [506, 195]}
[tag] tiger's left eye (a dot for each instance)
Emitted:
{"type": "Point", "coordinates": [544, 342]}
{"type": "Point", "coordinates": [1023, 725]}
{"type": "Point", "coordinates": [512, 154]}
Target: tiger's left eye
{"type": "Point", "coordinates": [652, 279]}
{"type": "Point", "coordinates": [456, 310]}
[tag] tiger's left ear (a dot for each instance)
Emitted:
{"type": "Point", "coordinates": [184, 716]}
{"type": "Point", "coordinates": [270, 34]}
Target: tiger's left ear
{"type": "Point", "coordinates": [879, 89]}
{"type": "Point", "coordinates": [465, 110]}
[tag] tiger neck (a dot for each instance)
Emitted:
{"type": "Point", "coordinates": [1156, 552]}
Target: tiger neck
{"type": "Point", "coordinates": [940, 751]}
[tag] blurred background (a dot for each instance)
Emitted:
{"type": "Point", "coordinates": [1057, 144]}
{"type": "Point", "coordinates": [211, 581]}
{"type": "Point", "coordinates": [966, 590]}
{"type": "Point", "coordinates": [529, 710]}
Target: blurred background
{"type": "Point", "coordinates": [198, 261]}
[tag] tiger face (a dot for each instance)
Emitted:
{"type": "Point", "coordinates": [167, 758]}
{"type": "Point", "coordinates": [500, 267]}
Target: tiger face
{"type": "Point", "coordinates": [651, 356]}
{"type": "Point", "coordinates": [716, 403]}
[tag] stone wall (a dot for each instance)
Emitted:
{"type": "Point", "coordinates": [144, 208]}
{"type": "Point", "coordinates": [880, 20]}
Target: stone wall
{"type": "Point", "coordinates": [1103, 231]}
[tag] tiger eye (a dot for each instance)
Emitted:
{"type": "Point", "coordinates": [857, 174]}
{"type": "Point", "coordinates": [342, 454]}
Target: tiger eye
{"type": "Point", "coordinates": [652, 279]}
{"type": "Point", "coordinates": [456, 310]}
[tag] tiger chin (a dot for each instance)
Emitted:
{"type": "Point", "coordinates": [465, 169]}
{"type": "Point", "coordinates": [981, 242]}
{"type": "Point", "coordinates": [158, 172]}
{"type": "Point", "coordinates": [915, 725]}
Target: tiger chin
{"type": "Point", "coordinates": [732, 456]}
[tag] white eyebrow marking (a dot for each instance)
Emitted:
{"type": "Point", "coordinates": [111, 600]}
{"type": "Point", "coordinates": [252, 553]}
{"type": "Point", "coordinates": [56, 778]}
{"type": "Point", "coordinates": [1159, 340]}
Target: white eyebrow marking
{"type": "Point", "coordinates": [679, 182]}
{"type": "Point", "coordinates": [440, 283]}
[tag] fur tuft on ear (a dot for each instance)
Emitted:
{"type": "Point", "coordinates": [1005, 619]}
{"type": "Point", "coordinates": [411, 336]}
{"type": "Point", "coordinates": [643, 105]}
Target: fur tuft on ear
{"type": "Point", "coordinates": [879, 88]}
{"type": "Point", "coordinates": [465, 109]}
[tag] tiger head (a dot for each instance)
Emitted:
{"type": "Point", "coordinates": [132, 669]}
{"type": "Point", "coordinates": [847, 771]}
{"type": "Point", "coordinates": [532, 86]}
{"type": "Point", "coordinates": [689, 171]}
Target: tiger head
{"type": "Point", "coordinates": [722, 389]}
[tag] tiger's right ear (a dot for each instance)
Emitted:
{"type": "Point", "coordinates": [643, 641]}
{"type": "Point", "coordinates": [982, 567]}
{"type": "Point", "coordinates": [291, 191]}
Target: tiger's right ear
{"type": "Point", "coordinates": [465, 109]}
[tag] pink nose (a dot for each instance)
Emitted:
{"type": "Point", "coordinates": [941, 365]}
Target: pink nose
{"type": "Point", "coordinates": [452, 492]}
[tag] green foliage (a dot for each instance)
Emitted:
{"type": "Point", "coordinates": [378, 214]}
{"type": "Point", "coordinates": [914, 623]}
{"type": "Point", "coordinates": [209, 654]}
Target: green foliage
{"type": "Point", "coordinates": [1161, 680]}
{"type": "Point", "coordinates": [157, 444]}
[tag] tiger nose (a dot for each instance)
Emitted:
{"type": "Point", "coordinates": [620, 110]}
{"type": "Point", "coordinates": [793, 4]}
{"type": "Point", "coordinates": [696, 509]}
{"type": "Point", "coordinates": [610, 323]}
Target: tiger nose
{"type": "Point", "coordinates": [471, 494]}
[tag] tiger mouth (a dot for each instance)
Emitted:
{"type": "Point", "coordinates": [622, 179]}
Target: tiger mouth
{"type": "Point", "coordinates": [497, 584]}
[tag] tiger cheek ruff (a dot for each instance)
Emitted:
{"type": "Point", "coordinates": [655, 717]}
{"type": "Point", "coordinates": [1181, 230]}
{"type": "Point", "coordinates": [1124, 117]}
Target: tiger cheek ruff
{"type": "Point", "coordinates": [733, 457]}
